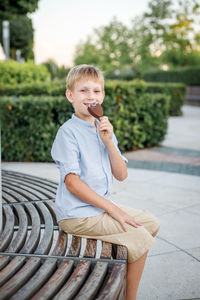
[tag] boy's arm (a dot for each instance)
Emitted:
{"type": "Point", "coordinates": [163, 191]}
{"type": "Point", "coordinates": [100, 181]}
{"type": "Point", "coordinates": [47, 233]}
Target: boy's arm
{"type": "Point", "coordinates": [118, 165]}
{"type": "Point", "coordinates": [85, 193]}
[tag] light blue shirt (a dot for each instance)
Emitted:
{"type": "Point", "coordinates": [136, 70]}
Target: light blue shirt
{"type": "Point", "coordinates": [79, 149]}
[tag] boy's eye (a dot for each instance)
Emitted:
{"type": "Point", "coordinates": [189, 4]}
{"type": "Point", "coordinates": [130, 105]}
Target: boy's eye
{"type": "Point", "coordinates": [97, 91]}
{"type": "Point", "coordinates": [83, 90]}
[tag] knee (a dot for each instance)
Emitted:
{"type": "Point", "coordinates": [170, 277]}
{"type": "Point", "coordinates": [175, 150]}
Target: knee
{"type": "Point", "coordinates": [154, 234]}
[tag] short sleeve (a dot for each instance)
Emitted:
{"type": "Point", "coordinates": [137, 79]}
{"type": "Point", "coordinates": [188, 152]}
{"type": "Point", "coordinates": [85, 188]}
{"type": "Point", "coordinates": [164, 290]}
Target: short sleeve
{"type": "Point", "coordinates": [116, 145]}
{"type": "Point", "coordinates": [65, 152]}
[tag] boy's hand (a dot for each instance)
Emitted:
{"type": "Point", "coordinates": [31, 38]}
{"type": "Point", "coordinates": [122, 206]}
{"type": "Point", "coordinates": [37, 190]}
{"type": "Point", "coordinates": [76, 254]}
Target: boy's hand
{"type": "Point", "coordinates": [105, 130]}
{"type": "Point", "coordinates": [123, 218]}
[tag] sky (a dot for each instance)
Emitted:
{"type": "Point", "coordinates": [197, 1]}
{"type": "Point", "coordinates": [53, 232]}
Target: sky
{"type": "Point", "coordinates": [59, 25]}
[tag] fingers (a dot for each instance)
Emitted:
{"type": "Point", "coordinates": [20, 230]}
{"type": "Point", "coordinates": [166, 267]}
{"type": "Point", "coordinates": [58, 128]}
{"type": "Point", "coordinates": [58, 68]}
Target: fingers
{"type": "Point", "coordinates": [105, 124]}
{"type": "Point", "coordinates": [123, 218]}
{"type": "Point", "coordinates": [103, 118]}
{"type": "Point", "coordinates": [123, 226]}
{"type": "Point", "coordinates": [134, 223]}
{"type": "Point", "coordinates": [131, 222]}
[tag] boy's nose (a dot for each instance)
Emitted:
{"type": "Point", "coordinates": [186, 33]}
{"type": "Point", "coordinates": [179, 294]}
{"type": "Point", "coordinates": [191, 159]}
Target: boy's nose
{"type": "Point", "coordinates": [90, 95]}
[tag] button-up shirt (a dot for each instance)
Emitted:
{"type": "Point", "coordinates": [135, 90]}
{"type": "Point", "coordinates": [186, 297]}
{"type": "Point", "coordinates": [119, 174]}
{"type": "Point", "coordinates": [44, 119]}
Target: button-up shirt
{"type": "Point", "coordinates": [78, 149]}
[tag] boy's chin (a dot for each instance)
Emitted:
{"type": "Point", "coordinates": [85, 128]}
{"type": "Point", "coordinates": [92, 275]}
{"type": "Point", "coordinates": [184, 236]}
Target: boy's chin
{"type": "Point", "coordinates": [85, 114]}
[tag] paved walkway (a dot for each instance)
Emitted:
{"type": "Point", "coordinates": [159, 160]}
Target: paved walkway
{"type": "Point", "coordinates": [180, 151]}
{"type": "Point", "coordinates": [166, 181]}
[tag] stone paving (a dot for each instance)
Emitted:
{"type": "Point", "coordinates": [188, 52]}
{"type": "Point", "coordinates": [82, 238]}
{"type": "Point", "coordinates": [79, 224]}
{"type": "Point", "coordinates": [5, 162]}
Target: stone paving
{"type": "Point", "coordinates": [168, 157]}
{"type": "Point", "coordinates": [165, 159]}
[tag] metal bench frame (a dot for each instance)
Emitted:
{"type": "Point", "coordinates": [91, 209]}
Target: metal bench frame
{"type": "Point", "coordinates": [40, 261]}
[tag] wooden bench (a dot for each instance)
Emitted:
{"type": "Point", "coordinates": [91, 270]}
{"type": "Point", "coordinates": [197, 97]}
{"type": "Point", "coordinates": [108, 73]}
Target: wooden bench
{"type": "Point", "coordinates": [193, 95]}
{"type": "Point", "coordinates": [39, 261]}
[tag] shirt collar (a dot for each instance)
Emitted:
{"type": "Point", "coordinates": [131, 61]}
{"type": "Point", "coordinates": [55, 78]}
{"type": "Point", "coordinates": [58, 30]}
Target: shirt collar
{"type": "Point", "coordinates": [83, 122]}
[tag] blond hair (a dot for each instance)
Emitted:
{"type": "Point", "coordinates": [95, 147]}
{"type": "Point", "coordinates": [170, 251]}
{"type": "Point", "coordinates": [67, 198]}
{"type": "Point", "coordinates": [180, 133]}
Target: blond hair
{"type": "Point", "coordinates": [84, 72]}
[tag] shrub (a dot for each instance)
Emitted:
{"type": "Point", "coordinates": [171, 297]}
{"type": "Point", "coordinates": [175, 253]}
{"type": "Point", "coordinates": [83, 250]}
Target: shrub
{"type": "Point", "coordinates": [34, 88]}
{"type": "Point", "coordinates": [189, 76]}
{"type": "Point", "coordinates": [12, 72]}
{"type": "Point", "coordinates": [176, 91]}
{"type": "Point", "coordinates": [30, 123]}
{"type": "Point", "coordinates": [140, 120]}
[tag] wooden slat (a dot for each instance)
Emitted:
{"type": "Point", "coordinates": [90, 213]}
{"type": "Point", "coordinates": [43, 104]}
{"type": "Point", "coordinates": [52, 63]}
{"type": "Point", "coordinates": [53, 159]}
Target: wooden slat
{"type": "Point", "coordinates": [26, 189]}
{"type": "Point", "coordinates": [121, 252]}
{"type": "Point", "coordinates": [8, 197]}
{"type": "Point", "coordinates": [18, 242]}
{"type": "Point", "coordinates": [20, 278]}
{"type": "Point", "coordinates": [36, 184]}
{"type": "Point", "coordinates": [31, 187]}
{"type": "Point", "coordinates": [22, 176]}
{"type": "Point", "coordinates": [4, 260]}
{"type": "Point", "coordinates": [75, 247]}
{"type": "Point", "coordinates": [34, 237]}
{"type": "Point", "coordinates": [94, 282]}
{"type": "Point", "coordinates": [46, 278]}
{"type": "Point", "coordinates": [55, 282]}
{"type": "Point", "coordinates": [61, 244]}
{"type": "Point", "coordinates": [7, 234]}
{"type": "Point", "coordinates": [12, 267]}
{"type": "Point", "coordinates": [90, 250]}
{"type": "Point", "coordinates": [45, 243]}
{"type": "Point", "coordinates": [106, 250]}
{"type": "Point", "coordinates": [50, 206]}
{"type": "Point", "coordinates": [71, 288]}
{"type": "Point", "coordinates": [20, 193]}
{"type": "Point", "coordinates": [115, 283]}
{"type": "Point", "coordinates": [36, 281]}
{"type": "Point", "coordinates": [122, 294]}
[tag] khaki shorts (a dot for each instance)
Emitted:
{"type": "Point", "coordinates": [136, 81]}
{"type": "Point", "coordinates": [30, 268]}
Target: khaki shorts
{"type": "Point", "coordinates": [104, 227]}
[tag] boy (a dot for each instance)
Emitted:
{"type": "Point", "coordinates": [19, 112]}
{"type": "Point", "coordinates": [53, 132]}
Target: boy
{"type": "Point", "coordinates": [87, 155]}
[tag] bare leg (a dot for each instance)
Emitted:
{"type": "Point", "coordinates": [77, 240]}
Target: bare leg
{"type": "Point", "coordinates": [134, 273]}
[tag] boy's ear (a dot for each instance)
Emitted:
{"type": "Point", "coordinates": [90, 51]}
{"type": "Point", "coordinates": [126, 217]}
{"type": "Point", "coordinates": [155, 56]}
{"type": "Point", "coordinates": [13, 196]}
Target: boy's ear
{"type": "Point", "coordinates": [69, 95]}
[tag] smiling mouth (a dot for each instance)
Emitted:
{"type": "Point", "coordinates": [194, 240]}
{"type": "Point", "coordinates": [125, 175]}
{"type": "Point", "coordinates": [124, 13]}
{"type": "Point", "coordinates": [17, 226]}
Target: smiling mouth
{"type": "Point", "coordinates": [90, 104]}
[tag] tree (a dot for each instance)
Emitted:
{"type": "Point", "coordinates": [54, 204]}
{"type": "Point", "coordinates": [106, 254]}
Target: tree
{"type": "Point", "coordinates": [165, 34]}
{"type": "Point", "coordinates": [168, 35]}
{"type": "Point", "coordinates": [108, 47]}
{"type": "Point", "coordinates": [21, 37]}
{"type": "Point", "coordinates": [56, 71]}
{"type": "Point", "coordinates": [86, 52]}
{"type": "Point", "coordinates": [142, 39]}
{"type": "Point", "coordinates": [9, 8]}
{"type": "Point", "coordinates": [182, 38]}
{"type": "Point", "coordinates": [21, 29]}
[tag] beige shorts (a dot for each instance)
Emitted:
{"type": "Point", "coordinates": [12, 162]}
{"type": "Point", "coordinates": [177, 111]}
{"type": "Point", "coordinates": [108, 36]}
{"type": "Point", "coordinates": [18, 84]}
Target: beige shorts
{"type": "Point", "coordinates": [104, 227]}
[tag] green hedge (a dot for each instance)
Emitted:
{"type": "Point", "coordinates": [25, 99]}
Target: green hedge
{"type": "Point", "coordinates": [30, 123]}
{"type": "Point", "coordinates": [176, 91]}
{"type": "Point", "coordinates": [34, 88]}
{"type": "Point", "coordinates": [189, 76]}
{"type": "Point", "coordinates": [12, 72]}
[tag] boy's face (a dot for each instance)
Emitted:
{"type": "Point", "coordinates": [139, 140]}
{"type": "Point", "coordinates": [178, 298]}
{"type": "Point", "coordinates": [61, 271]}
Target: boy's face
{"type": "Point", "coordinates": [85, 93]}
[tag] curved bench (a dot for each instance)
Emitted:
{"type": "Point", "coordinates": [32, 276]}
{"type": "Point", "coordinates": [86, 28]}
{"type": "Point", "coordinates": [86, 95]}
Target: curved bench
{"type": "Point", "coordinates": [40, 261]}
